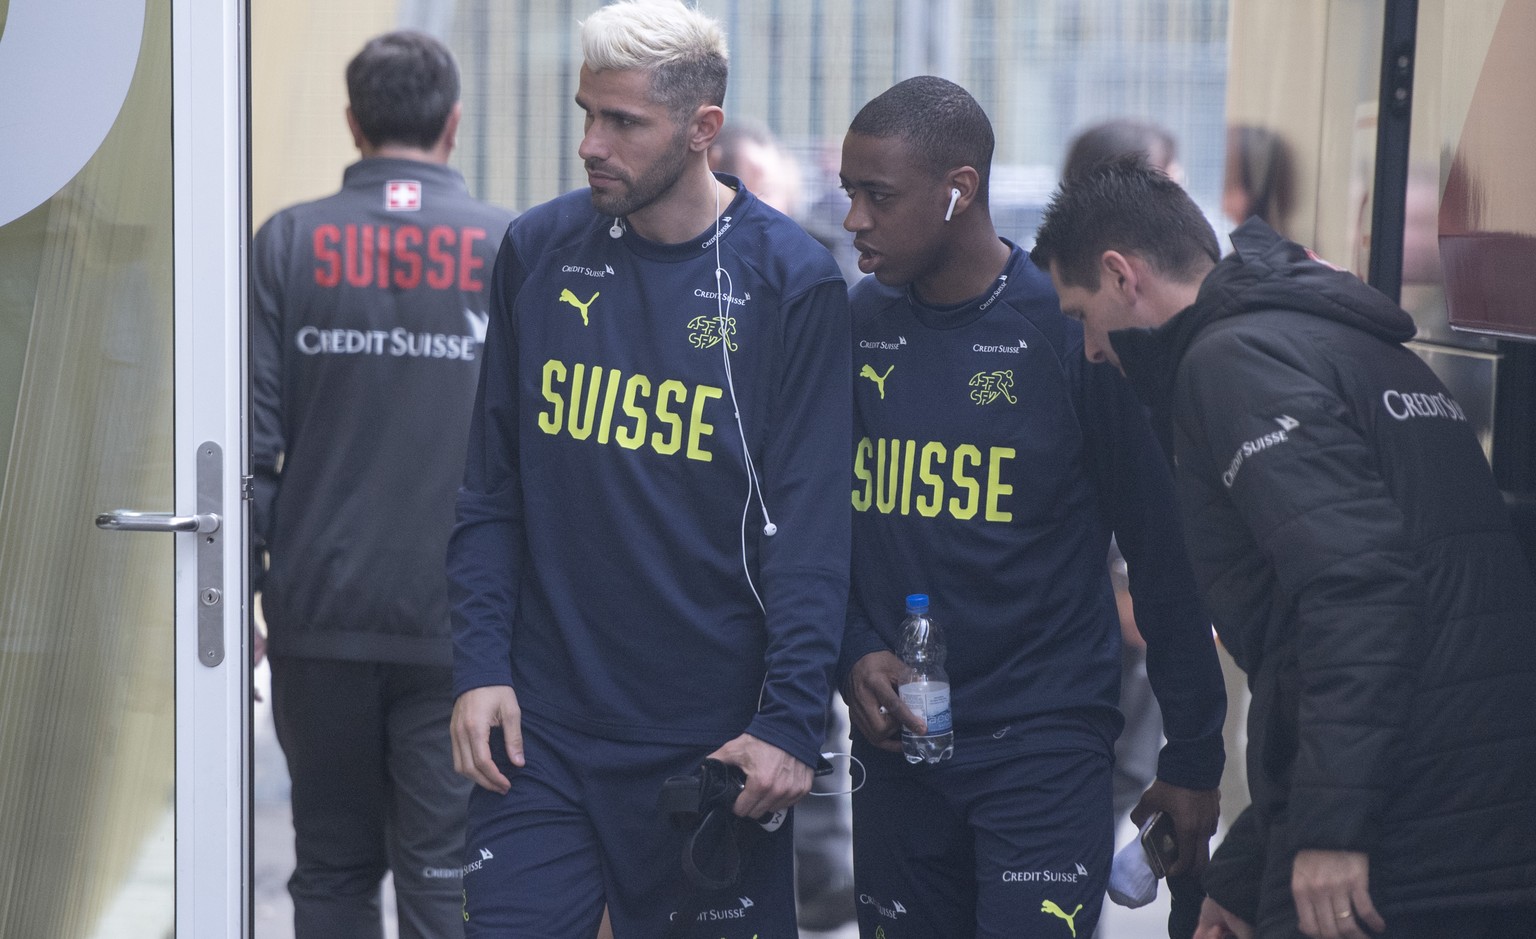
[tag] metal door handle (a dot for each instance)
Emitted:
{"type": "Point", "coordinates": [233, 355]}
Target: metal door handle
{"type": "Point", "coordinates": [210, 546]}
{"type": "Point", "coordinates": [127, 520]}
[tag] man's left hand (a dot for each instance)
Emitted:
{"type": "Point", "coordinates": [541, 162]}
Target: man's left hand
{"type": "Point", "coordinates": [775, 780]}
{"type": "Point", "coordinates": [1194, 813]}
{"type": "Point", "coordinates": [1332, 892]}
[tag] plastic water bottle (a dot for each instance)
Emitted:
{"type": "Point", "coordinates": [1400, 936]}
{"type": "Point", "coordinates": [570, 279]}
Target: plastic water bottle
{"type": "Point", "coordinates": [926, 690]}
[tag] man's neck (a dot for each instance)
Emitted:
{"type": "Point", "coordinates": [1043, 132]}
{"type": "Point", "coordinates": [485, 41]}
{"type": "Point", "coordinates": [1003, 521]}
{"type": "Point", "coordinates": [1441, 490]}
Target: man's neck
{"type": "Point", "coordinates": [970, 266]}
{"type": "Point", "coordinates": [395, 151]}
{"type": "Point", "coordinates": [689, 208]}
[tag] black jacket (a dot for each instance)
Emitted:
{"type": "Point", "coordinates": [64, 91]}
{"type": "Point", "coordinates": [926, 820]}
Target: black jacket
{"type": "Point", "coordinates": [1357, 559]}
{"type": "Point", "coordinates": [369, 309]}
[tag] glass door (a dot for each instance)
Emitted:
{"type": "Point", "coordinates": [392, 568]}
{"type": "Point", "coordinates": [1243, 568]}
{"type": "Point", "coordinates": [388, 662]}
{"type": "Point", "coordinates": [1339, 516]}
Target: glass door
{"type": "Point", "coordinates": [123, 678]}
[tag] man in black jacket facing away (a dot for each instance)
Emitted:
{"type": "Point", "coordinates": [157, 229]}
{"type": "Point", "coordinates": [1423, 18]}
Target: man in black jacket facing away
{"type": "Point", "coordinates": [370, 307]}
{"type": "Point", "coordinates": [1355, 555]}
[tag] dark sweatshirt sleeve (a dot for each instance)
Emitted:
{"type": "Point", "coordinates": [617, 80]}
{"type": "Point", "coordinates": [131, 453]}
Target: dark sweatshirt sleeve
{"type": "Point", "coordinates": [268, 267]}
{"type": "Point", "coordinates": [1138, 494]}
{"type": "Point", "coordinates": [485, 548]}
{"type": "Point", "coordinates": [1310, 493]}
{"type": "Point", "coordinates": [806, 465]}
{"type": "Point", "coordinates": [1235, 875]}
{"type": "Point", "coordinates": [859, 640]}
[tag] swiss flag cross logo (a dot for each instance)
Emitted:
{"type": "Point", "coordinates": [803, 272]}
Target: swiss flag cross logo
{"type": "Point", "coordinates": [402, 195]}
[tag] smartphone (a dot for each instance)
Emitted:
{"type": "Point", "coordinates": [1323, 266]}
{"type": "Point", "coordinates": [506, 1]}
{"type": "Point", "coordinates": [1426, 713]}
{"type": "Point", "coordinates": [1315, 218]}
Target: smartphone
{"type": "Point", "coordinates": [1159, 844]}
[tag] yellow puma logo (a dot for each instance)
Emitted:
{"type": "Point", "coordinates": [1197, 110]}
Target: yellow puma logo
{"type": "Point", "coordinates": [1050, 907]}
{"type": "Point", "coordinates": [567, 297]}
{"type": "Point", "coordinates": [868, 372]}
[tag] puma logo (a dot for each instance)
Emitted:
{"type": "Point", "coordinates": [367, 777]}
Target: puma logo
{"type": "Point", "coordinates": [1050, 907]}
{"type": "Point", "coordinates": [868, 372]}
{"type": "Point", "coordinates": [567, 297]}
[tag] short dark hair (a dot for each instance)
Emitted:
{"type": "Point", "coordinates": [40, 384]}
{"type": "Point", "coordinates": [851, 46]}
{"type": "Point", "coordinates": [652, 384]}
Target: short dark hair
{"type": "Point", "coordinates": [402, 86]}
{"type": "Point", "coordinates": [1128, 206]}
{"type": "Point", "coordinates": [1259, 164]}
{"type": "Point", "coordinates": [1117, 137]}
{"type": "Point", "coordinates": [943, 123]}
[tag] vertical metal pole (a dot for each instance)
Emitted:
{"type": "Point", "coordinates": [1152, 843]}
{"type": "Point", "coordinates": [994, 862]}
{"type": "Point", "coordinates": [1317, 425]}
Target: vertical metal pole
{"type": "Point", "coordinates": [481, 17]}
{"type": "Point", "coordinates": [570, 64]}
{"type": "Point", "coordinates": [1393, 118]}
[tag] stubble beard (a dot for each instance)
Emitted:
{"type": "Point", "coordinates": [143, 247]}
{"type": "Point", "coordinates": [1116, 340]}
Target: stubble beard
{"type": "Point", "coordinates": [658, 180]}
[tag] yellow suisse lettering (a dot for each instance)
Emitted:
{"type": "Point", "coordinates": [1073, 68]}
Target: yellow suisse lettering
{"type": "Point", "coordinates": [551, 421]}
{"type": "Point", "coordinates": [699, 427]}
{"type": "Point", "coordinates": [996, 488]}
{"type": "Point", "coordinates": [581, 417]}
{"type": "Point", "coordinates": [933, 451]}
{"type": "Point", "coordinates": [861, 456]}
{"type": "Point", "coordinates": [612, 394]}
{"type": "Point", "coordinates": [965, 453]}
{"type": "Point", "coordinates": [674, 390]}
{"type": "Point", "coordinates": [641, 386]}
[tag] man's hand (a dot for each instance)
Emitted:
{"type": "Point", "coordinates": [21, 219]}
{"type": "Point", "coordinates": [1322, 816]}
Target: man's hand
{"type": "Point", "coordinates": [474, 714]}
{"type": "Point", "coordinates": [1217, 923]}
{"type": "Point", "coordinates": [775, 780]}
{"type": "Point", "coordinates": [874, 702]}
{"type": "Point", "coordinates": [1332, 894]}
{"type": "Point", "coordinates": [1194, 813]}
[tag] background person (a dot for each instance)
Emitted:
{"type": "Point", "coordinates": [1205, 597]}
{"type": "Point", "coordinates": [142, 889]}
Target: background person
{"type": "Point", "coordinates": [1260, 179]}
{"type": "Point", "coordinates": [1137, 746]}
{"type": "Point", "coordinates": [1357, 559]}
{"type": "Point", "coordinates": [992, 466]}
{"type": "Point", "coordinates": [369, 306]}
{"type": "Point", "coordinates": [640, 580]}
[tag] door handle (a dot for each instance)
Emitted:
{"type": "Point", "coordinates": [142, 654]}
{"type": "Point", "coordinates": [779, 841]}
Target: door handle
{"type": "Point", "coordinates": [127, 520]}
{"type": "Point", "coordinates": [206, 524]}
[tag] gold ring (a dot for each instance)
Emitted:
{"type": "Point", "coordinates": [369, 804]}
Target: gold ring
{"type": "Point", "coordinates": [1346, 914]}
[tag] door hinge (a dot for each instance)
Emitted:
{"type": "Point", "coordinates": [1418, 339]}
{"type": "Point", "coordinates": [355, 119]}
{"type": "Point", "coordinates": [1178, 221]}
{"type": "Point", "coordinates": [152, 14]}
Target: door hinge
{"type": "Point", "coordinates": [247, 488]}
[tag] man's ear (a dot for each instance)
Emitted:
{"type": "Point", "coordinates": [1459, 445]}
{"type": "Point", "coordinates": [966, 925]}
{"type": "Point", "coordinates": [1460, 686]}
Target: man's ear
{"type": "Point", "coordinates": [1119, 272]}
{"type": "Point", "coordinates": [449, 138]}
{"type": "Point", "coordinates": [704, 126]}
{"type": "Point", "coordinates": [358, 140]}
{"type": "Point", "coordinates": [968, 181]}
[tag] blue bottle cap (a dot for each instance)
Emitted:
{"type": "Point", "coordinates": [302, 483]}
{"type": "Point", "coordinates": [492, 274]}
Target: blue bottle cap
{"type": "Point", "coordinates": [917, 603]}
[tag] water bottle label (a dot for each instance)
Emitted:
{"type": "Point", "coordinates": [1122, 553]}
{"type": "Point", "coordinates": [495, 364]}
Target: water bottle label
{"type": "Point", "coordinates": [930, 701]}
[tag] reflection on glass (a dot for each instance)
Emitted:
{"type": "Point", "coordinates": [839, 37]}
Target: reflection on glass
{"type": "Point", "coordinates": [86, 692]}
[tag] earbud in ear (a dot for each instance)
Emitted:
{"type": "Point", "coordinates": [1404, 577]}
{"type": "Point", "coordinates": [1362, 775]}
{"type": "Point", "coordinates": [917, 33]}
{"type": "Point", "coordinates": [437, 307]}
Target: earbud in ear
{"type": "Point", "coordinates": [954, 196]}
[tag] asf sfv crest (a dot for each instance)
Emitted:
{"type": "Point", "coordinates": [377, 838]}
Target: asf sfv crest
{"type": "Point", "coordinates": [987, 387]}
{"type": "Point", "coordinates": [706, 332]}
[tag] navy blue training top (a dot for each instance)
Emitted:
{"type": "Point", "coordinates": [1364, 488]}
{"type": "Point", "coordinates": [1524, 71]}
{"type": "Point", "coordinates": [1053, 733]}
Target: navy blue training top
{"type": "Point", "coordinates": [992, 463]}
{"type": "Point", "coordinates": [598, 563]}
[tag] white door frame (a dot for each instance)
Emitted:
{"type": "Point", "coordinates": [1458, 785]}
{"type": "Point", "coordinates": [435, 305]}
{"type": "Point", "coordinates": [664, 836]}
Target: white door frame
{"type": "Point", "coordinates": [209, 126]}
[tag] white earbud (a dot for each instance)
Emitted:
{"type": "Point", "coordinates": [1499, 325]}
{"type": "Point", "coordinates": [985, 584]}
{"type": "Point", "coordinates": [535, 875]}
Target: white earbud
{"type": "Point", "coordinates": [617, 231]}
{"type": "Point", "coordinates": [954, 196]}
{"type": "Point", "coordinates": [770, 529]}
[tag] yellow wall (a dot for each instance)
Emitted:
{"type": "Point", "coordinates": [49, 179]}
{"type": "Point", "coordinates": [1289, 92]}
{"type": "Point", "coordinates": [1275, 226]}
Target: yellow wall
{"type": "Point", "coordinates": [299, 138]}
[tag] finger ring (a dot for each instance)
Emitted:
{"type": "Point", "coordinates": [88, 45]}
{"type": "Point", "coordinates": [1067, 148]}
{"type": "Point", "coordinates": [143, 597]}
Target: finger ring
{"type": "Point", "coordinates": [1346, 914]}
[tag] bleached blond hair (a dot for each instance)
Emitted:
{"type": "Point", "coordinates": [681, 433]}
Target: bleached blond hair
{"type": "Point", "coordinates": [683, 50]}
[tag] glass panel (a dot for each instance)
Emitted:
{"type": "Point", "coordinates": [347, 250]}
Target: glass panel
{"type": "Point", "coordinates": [86, 719]}
{"type": "Point", "coordinates": [1043, 71]}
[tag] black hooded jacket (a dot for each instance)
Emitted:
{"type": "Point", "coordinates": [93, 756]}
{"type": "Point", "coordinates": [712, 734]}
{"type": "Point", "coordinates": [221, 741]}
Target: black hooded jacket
{"type": "Point", "coordinates": [1357, 559]}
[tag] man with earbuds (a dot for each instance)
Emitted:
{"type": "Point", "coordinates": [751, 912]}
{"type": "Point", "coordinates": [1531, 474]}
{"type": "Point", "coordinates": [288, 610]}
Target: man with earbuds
{"type": "Point", "coordinates": [650, 561]}
{"type": "Point", "coordinates": [992, 464]}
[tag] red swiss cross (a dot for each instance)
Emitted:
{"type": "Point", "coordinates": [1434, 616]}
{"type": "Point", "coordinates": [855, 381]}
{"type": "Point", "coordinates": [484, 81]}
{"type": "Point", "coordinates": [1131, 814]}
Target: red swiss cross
{"type": "Point", "coordinates": [402, 195]}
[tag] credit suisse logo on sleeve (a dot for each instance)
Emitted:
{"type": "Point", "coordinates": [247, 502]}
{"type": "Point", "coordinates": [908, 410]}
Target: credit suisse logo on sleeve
{"type": "Point", "coordinates": [402, 195]}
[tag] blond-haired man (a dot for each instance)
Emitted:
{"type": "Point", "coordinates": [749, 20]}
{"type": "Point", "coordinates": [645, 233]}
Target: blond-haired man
{"type": "Point", "coordinates": [650, 562]}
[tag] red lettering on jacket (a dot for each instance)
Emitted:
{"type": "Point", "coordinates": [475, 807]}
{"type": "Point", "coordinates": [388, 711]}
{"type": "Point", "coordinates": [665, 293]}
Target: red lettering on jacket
{"type": "Point", "coordinates": [388, 257]}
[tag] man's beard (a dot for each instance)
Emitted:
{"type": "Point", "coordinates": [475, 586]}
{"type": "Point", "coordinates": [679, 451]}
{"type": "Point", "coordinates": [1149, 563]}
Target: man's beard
{"type": "Point", "coordinates": [657, 182]}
